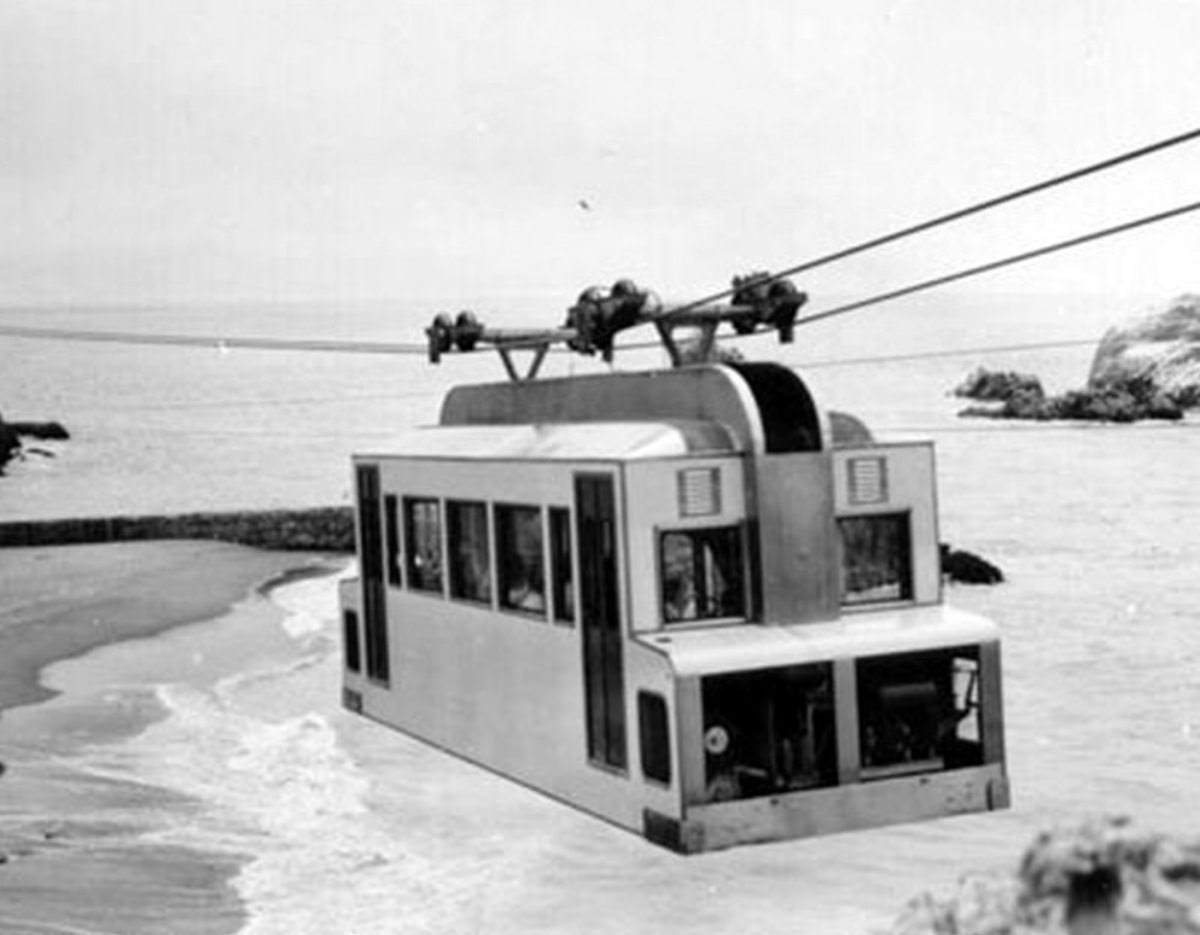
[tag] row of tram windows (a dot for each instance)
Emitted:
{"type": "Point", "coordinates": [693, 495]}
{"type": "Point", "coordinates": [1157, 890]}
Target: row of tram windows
{"type": "Point", "coordinates": [459, 564]}
{"type": "Point", "coordinates": [772, 731]}
{"type": "Point", "coordinates": [703, 570]}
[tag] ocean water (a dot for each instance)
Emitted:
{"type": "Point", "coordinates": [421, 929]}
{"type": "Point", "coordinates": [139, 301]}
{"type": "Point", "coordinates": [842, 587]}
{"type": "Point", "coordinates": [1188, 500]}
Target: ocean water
{"type": "Point", "coordinates": [338, 824]}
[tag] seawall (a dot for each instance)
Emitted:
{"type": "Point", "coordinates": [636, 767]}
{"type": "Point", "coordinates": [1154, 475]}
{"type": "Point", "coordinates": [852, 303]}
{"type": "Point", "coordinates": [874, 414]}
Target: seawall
{"type": "Point", "coordinates": [320, 529]}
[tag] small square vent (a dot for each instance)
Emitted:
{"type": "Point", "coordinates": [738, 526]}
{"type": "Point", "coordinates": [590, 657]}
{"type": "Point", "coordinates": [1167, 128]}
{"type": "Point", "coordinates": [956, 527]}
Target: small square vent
{"type": "Point", "coordinates": [867, 480]}
{"type": "Point", "coordinates": [699, 491]}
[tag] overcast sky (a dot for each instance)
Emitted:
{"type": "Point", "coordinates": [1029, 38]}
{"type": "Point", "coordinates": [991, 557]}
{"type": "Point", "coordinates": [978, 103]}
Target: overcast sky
{"type": "Point", "coordinates": [200, 150]}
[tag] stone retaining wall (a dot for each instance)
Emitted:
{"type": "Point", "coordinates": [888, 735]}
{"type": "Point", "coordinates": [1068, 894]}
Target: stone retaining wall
{"type": "Point", "coordinates": [321, 529]}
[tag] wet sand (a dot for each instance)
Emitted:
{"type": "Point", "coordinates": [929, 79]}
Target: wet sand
{"type": "Point", "coordinates": [74, 853]}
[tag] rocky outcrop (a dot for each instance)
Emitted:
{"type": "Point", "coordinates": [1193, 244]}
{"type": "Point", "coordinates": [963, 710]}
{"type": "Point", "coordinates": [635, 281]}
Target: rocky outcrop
{"type": "Point", "coordinates": [1117, 397]}
{"type": "Point", "coordinates": [1162, 345]}
{"type": "Point", "coordinates": [1104, 876]}
{"type": "Point", "coordinates": [1120, 399]}
{"type": "Point", "coordinates": [43, 431]}
{"type": "Point", "coordinates": [10, 443]}
{"type": "Point", "coordinates": [12, 432]}
{"type": "Point", "coordinates": [1146, 368]}
{"type": "Point", "coordinates": [967, 567]}
{"type": "Point", "coordinates": [998, 385]}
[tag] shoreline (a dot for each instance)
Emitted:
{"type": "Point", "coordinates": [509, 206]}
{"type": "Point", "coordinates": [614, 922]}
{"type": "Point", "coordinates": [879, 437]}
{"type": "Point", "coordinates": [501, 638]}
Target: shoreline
{"type": "Point", "coordinates": [57, 602]}
{"type": "Point", "coordinates": [77, 846]}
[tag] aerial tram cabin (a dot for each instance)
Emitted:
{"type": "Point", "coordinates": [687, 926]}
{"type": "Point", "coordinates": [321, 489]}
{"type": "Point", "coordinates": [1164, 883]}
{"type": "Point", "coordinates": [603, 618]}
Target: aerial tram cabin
{"type": "Point", "coordinates": [671, 599]}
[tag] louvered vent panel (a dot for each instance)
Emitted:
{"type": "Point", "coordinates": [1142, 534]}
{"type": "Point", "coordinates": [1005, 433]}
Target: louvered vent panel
{"type": "Point", "coordinates": [699, 491]}
{"type": "Point", "coordinates": [868, 481]}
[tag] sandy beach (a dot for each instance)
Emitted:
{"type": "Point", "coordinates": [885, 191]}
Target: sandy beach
{"type": "Point", "coordinates": [77, 848]}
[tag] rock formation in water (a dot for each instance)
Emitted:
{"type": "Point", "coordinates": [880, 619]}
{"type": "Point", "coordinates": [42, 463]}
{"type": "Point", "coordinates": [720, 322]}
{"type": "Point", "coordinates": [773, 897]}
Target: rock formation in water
{"type": "Point", "coordinates": [1105, 876]}
{"type": "Point", "coordinates": [1162, 345]}
{"type": "Point", "coordinates": [998, 385]}
{"type": "Point", "coordinates": [10, 443]}
{"type": "Point", "coordinates": [1147, 368]}
{"type": "Point", "coordinates": [1117, 398]}
{"type": "Point", "coordinates": [43, 431]}
{"type": "Point", "coordinates": [12, 432]}
{"type": "Point", "coordinates": [967, 567]}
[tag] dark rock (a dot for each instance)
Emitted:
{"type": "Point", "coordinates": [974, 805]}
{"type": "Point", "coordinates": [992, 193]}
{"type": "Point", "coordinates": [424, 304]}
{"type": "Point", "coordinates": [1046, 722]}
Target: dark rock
{"type": "Point", "coordinates": [1118, 399]}
{"type": "Point", "coordinates": [1103, 876]}
{"type": "Point", "coordinates": [10, 444]}
{"type": "Point", "coordinates": [1161, 345]}
{"type": "Point", "coordinates": [998, 385]}
{"type": "Point", "coordinates": [43, 431]}
{"type": "Point", "coordinates": [967, 567]}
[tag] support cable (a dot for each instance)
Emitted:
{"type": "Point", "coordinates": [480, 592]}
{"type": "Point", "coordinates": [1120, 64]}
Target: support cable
{"type": "Point", "coordinates": [215, 343]}
{"type": "Point", "coordinates": [981, 206]}
{"type": "Point", "coordinates": [1000, 264]}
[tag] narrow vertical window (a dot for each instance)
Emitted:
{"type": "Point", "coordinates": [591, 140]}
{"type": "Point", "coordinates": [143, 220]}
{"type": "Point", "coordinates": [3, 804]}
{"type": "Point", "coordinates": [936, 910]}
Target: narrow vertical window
{"type": "Point", "coordinates": [371, 558]}
{"type": "Point", "coordinates": [654, 737]}
{"type": "Point", "coordinates": [521, 559]}
{"type": "Point", "coordinates": [423, 544]}
{"type": "Point", "coordinates": [470, 562]}
{"type": "Point", "coordinates": [561, 573]}
{"type": "Point", "coordinates": [391, 523]}
{"type": "Point", "coordinates": [350, 641]}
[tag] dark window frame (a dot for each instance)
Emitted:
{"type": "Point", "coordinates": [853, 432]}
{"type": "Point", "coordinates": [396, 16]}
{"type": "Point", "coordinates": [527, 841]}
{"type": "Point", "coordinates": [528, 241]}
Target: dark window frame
{"type": "Point", "coordinates": [916, 714]}
{"type": "Point", "coordinates": [351, 641]}
{"type": "Point", "coordinates": [562, 566]}
{"type": "Point", "coordinates": [469, 554]}
{"type": "Point", "coordinates": [391, 529]}
{"type": "Point", "coordinates": [900, 574]}
{"type": "Point", "coordinates": [654, 737]}
{"type": "Point", "coordinates": [675, 607]}
{"type": "Point", "coordinates": [769, 731]}
{"type": "Point", "coordinates": [520, 585]}
{"type": "Point", "coordinates": [419, 578]}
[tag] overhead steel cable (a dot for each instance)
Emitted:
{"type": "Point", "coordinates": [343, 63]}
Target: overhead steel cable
{"type": "Point", "coordinates": [1000, 264]}
{"type": "Point", "coordinates": [950, 352]}
{"type": "Point", "coordinates": [215, 342]}
{"type": "Point", "coordinates": [379, 347]}
{"type": "Point", "coordinates": [959, 214]}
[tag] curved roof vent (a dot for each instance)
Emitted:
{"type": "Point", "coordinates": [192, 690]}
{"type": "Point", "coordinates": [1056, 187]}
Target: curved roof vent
{"type": "Point", "coordinates": [789, 416]}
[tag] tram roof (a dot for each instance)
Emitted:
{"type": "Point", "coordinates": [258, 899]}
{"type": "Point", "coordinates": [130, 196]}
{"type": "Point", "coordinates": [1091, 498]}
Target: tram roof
{"type": "Point", "coordinates": [713, 650]}
{"type": "Point", "coordinates": [620, 440]}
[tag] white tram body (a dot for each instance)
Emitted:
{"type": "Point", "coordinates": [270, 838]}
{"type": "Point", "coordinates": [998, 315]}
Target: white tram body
{"type": "Point", "coordinates": [669, 599]}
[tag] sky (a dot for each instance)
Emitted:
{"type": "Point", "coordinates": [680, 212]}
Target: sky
{"type": "Point", "coordinates": [190, 151]}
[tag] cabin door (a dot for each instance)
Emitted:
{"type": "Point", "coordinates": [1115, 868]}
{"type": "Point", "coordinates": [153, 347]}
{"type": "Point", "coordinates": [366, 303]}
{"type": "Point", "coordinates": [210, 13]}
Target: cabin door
{"type": "Point", "coordinates": [370, 552]}
{"type": "Point", "coordinates": [604, 681]}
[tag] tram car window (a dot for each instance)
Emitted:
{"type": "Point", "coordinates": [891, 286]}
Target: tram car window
{"type": "Point", "coordinates": [769, 731]}
{"type": "Point", "coordinates": [470, 556]}
{"type": "Point", "coordinates": [561, 570]}
{"type": "Point", "coordinates": [919, 712]}
{"type": "Point", "coordinates": [655, 733]}
{"type": "Point", "coordinates": [702, 574]}
{"type": "Point", "coordinates": [521, 559]}
{"type": "Point", "coordinates": [391, 522]}
{"type": "Point", "coordinates": [876, 558]}
{"type": "Point", "coordinates": [423, 543]}
{"type": "Point", "coordinates": [350, 644]}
